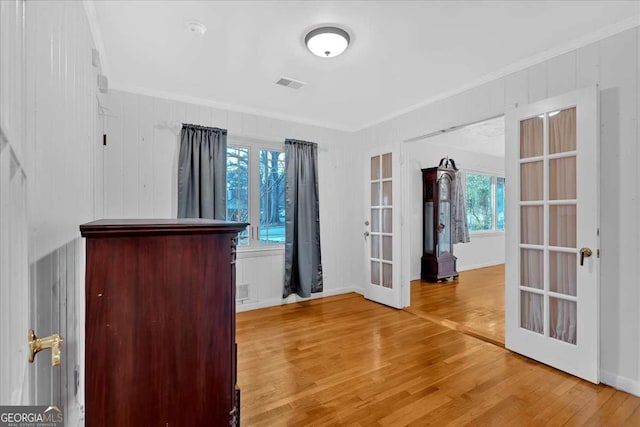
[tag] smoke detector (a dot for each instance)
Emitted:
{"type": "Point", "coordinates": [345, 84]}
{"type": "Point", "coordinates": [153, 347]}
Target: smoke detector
{"type": "Point", "coordinates": [196, 27]}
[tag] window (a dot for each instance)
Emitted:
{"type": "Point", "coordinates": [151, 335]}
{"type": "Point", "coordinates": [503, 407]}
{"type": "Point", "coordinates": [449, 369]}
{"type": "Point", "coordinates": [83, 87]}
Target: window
{"type": "Point", "coordinates": [255, 193]}
{"type": "Point", "coordinates": [485, 202]}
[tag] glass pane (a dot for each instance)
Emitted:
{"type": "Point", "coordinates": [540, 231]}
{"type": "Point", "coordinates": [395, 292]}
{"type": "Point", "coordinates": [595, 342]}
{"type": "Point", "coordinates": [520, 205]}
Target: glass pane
{"type": "Point", "coordinates": [562, 226]}
{"type": "Point", "coordinates": [428, 227]}
{"type": "Point", "coordinates": [386, 165]}
{"type": "Point", "coordinates": [562, 178]}
{"type": "Point", "coordinates": [238, 188]}
{"type": "Point", "coordinates": [387, 275]}
{"type": "Point", "coordinates": [387, 193]}
{"type": "Point", "coordinates": [375, 168]}
{"type": "Point", "coordinates": [375, 194]}
{"type": "Point", "coordinates": [445, 188]}
{"type": "Point", "coordinates": [562, 320]}
{"type": "Point", "coordinates": [272, 205]}
{"type": "Point", "coordinates": [479, 202]}
{"type": "Point", "coordinates": [562, 273]}
{"type": "Point", "coordinates": [531, 268]}
{"type": "Point", "coordinates": [532, 225]}
{"type": "Point", "coordinates": [531, 181]}
{"type": "Point", "coordinates": [375, 272]}
{"type": "Point", "coordinates": [531, 137]}
{"type": "Point", "coordinates": [500, 203]}
{"type": "Point", "coordinates": [375, 246]}
{"type": "Point", "coordinates": [387, 221]}
{"type": "Point", "coordinates": [562, 131]}
{"type": "Point", "coordinates": [387, 248]}
{"type": "Point", "coordinates": [531, 309]}
{"type": "Point", "coordinates": [444, 228]}
{"type": "Point", "coordinates": [375, 220]}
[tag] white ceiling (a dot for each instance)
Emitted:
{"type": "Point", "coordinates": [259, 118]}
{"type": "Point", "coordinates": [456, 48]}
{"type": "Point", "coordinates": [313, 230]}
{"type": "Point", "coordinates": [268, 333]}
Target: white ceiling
{"type": "Point", "coordinates": [403, 53]}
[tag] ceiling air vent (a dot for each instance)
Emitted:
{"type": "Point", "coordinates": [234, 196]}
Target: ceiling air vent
{"type": "Point", "coordinates": [290, 83]}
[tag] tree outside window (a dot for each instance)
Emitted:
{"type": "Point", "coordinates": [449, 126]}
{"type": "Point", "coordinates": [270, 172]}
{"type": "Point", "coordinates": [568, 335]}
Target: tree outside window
{"type": "Point", "coordinates": [485, 202]}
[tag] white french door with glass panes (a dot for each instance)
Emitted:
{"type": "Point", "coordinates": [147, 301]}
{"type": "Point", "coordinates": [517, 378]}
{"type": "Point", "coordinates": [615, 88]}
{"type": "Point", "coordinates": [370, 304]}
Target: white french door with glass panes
{"type": "Point", "coordinates": [552, 262]}
{"type": "Point", "coordinates": [255, 192]}
{"type": "Point", "coordinates": [382, 228]}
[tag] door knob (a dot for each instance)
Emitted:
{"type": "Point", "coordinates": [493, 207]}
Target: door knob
{"type": "Point", "coordinates": [585, 252]}
{"type": "Point", "coordinates": [366, 234]}
{"type": "Point", "coordinates": [38, 344]}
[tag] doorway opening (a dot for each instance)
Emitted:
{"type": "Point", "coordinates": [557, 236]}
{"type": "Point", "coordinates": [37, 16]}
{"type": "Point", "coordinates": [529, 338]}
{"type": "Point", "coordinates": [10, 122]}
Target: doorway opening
{"type": "Point", "coordinates": [472, 303]}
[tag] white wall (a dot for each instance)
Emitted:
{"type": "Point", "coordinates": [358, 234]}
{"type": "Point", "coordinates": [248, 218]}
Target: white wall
{"type": "Point", "coordinates": [613, 64]}
{"type": "Point", "coordinates": [482, 250]}
{"type": "Point", "coordinates": [14, 295]}
{"type": "Point", "coordinates": [61, 147]}
{"type": "Point", "coordinates": [141, 175]}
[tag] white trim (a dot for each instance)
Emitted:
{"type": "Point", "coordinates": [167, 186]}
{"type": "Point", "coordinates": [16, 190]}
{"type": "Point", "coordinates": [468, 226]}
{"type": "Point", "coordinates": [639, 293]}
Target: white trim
{"type": "Point", "coordinates": [480, 265]}
{"type": "Point", "coordinates": [468, 267]}
{"type": "Point", "coordinates": [229, 107]}
{"type": "Point", "coordinates": [292, 299]}
{"type": "Point", "coordinates": [539, 58]}
{"type": "Point", "coordinates": [619, 382]}
{"type": "Point", "coordinates": [94, 27]}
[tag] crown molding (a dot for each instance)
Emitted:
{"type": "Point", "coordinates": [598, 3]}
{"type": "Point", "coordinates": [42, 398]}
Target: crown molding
{"type": "Point", "coordinates": [574, 44]}
{"type": "Point", "coordinates": [94, 27]}
{"type": "Point", "coordinates": [230, 107]}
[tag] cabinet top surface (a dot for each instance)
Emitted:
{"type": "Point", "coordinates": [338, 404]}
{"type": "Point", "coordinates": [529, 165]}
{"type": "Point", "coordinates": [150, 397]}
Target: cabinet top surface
{"type": "Point", "coordinates": [107, 227]}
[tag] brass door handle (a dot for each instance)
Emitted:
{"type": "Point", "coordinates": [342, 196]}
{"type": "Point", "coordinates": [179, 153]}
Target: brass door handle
{"type": "Point", "coordinates": [38, 344]}
{"type": "Point", "coordinates": [585, 252]}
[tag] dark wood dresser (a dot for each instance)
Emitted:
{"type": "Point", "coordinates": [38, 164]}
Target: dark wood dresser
{"type": "Point", "coordinates": [160, 323]}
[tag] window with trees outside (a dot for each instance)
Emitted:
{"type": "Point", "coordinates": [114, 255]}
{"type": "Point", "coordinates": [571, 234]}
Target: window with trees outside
{"type": "Point", "coordinates": [485, 202]}
{"type": "Point", "coordinates": [255, 193]}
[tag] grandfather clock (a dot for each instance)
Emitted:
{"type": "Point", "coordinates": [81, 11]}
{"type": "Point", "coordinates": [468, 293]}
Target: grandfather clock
{"type": "Point", "coordinates": [438, 184]}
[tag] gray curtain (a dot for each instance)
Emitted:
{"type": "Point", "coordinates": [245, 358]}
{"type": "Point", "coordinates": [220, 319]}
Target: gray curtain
{"type": "Point", "coordinates": [202, 173]}
{"type": "Point", "coordinates": [460, 232]}
{"type": "Point", "coordinates": [302, 260]}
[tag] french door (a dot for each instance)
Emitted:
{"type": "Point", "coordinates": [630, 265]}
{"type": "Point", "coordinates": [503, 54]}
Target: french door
{"type": "Point", "coordinates": [552, 262]}
{"type": "Point", "coordinates": [382, 228]}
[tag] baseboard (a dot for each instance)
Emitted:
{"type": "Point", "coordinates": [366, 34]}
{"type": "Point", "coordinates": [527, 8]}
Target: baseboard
{"type": "Point", "coordinates": [481, 265]}
{"type": "Point", "coordinates": [469, 267]}
{"type": "Point", "coordinates": [292, 299]}
{"type": "Point", "coordinates": [619, 382]}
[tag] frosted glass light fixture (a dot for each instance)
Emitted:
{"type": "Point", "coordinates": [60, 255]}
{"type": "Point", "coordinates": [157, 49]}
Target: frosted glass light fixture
{"type": "Point", "coordinates": [327, 42]}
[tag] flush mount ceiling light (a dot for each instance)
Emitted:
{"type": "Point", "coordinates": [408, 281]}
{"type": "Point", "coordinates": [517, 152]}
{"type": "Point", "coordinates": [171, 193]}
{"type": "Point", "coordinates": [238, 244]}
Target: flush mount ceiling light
{"type": "Point", "coordinates": [327, 42]}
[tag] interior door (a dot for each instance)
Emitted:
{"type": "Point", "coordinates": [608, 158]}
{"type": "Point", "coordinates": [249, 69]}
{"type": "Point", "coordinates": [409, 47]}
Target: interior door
{"type": "Point", "coordinates": [552, 262]}
{"type": "Point", "coordinates": [382, 228]}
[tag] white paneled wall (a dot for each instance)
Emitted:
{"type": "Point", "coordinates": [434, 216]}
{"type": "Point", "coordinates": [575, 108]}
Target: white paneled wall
{"type": "Point", "coordinates": [62, 152]}
{"type": "Point", "coordinates": [613, 64]}
{"type": "Point", "coordinates": [481, 251]}
{"type": "Point", "coordinates": [14, 289]}
{"type": "Point", "coordinates": [140, 176]}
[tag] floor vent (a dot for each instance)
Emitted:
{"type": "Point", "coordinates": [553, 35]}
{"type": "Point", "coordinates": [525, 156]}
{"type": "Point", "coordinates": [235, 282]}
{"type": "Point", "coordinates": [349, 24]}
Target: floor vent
{"type": "Point", "coordinates": [290, 83]}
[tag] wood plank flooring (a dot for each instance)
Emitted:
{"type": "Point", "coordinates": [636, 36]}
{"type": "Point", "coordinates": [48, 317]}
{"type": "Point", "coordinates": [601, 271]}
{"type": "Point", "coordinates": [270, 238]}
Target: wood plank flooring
{"type": "Point", "coordinates": [346, 361]}
{"type": "Point", "coordinates": [473, 304]}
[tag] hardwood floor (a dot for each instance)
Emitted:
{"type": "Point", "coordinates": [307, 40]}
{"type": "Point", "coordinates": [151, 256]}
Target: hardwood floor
{"type": "Point", "coordinates": [346, 361]}
{"type": "Point", "coordinates": [473, 304]}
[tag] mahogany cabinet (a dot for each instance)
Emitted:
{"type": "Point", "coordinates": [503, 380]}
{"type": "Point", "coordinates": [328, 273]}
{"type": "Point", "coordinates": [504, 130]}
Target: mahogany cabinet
{"type": "Point", "coordinates": [160, 323]}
